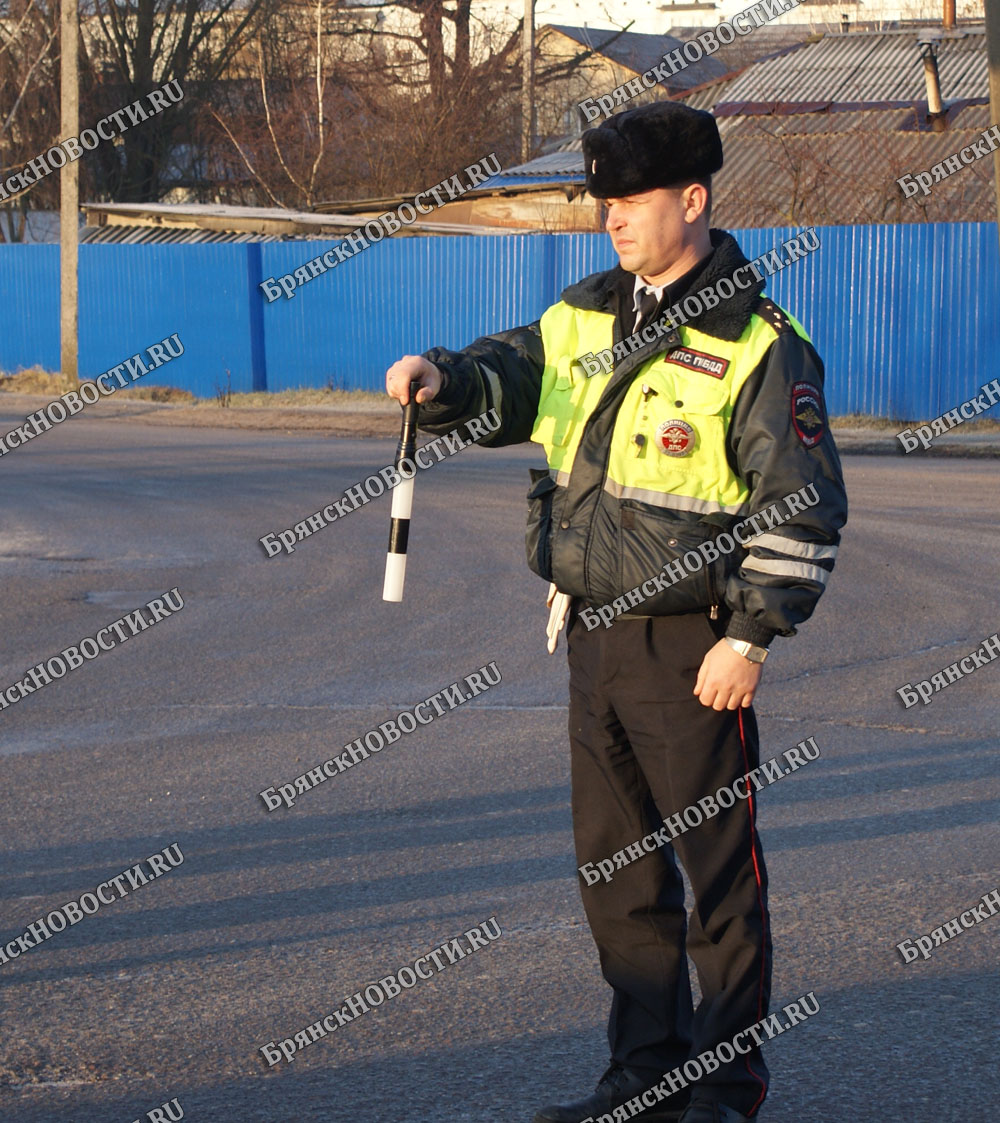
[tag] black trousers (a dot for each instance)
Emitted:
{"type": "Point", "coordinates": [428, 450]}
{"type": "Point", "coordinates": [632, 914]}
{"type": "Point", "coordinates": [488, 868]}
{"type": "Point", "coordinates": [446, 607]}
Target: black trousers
{"type": "Point", "coordinates": [643, 748]}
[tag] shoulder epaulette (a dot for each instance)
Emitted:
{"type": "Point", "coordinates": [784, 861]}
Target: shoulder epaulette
{"type": "Point", "coordinates": [772, 315]}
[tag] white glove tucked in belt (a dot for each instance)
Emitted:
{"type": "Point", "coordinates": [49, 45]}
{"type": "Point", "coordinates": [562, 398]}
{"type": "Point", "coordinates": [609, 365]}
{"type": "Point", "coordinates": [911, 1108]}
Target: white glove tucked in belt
{"type": "Point", "coordinates": [558, 607]}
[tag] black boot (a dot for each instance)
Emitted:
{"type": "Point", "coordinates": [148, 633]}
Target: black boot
{"type": "Point", "coordinates": [617, 1086]}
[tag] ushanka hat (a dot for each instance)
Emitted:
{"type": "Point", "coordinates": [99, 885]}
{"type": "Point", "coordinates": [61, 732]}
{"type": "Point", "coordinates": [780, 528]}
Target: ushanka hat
{"type": "Point", "coordinates": [658, 145]}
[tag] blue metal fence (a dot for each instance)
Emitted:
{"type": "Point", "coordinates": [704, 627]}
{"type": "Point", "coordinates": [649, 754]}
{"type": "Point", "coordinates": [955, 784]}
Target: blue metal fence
{"type": "Point", "coordinates": [907, 318]}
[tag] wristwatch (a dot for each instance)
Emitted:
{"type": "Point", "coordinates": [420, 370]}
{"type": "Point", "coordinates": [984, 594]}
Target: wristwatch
{"type": "Point", "coordinates": [748, 650]}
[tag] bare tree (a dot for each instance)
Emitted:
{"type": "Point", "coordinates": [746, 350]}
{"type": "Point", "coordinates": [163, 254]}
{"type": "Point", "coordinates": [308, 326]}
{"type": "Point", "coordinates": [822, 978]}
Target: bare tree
{"type": "Point", "coordinates": [329, 103]}
{"type": "Point", "coordinates": [134, 46]}
{"type": "Point", "coordinates": [273, 127]}
{"type": "Point", "coordinates": [456, 82]}
{"type": "Point", "coordinates": [29, 119]}
{"type": "Point", "coordinates": [439, 90]}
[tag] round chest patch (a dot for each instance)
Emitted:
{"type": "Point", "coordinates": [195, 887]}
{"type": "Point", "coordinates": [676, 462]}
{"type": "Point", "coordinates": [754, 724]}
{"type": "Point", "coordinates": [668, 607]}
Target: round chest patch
{"type": "Point", "coordinates": [675, 438]}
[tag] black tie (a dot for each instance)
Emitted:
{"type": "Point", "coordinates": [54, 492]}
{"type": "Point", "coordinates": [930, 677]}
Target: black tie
{"type": "Point", "coordinates": [647, 310]}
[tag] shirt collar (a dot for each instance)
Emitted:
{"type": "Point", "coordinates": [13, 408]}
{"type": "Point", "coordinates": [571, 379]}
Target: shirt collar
{"type": "Point", "coordinates": [641, 287]}
{"type": "Point", "coordinates": [676, 288]}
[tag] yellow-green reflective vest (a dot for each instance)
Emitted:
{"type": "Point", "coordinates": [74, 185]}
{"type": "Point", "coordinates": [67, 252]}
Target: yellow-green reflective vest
{"type": "Point", "coordinates": [668, 443]}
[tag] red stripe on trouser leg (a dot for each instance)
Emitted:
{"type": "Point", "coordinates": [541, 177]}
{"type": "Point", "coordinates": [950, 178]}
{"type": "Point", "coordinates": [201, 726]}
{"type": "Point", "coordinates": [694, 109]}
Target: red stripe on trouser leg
{"type": "Point", "coordinates": [760, 897]}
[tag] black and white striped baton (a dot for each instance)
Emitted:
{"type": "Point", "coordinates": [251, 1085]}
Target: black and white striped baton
{"type": "Point", "coordinates": [402, 502]}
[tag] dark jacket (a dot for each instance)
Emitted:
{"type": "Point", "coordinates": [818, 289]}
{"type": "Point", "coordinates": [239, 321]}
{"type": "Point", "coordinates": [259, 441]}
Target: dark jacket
{"type": "Point", "coordinates": [597, 547]}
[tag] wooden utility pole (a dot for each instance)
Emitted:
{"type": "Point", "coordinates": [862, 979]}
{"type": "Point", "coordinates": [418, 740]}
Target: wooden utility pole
{"type": "Point", "coordinates": [993, 59]}
{"type": "Point", "coordinates": [527, 80]}
{"type": "Point", "coordinates": [69, 187]}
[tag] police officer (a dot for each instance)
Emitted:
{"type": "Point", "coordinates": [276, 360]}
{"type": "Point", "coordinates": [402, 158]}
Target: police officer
{"type": "Point", "coordinates": [712, 411]}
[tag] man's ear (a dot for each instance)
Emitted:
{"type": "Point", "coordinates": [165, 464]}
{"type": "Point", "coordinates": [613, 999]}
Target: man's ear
{"type": "Point", "coordinates": [694, 198]}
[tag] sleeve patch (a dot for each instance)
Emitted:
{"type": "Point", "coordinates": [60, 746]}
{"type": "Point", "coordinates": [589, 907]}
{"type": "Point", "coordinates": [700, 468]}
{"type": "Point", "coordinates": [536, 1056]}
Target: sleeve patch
{"type": "Point", "coordinates": [808, 417]}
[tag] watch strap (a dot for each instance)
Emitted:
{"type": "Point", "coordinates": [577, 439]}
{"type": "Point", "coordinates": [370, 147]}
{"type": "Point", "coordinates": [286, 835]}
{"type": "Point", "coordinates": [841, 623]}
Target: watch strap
{"type": "Point", "coordinates": [748, 650]}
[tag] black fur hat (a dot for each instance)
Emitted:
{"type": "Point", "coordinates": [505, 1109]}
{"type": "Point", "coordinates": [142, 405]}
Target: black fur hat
{"type": "Point", "coordinates": [657, 145]}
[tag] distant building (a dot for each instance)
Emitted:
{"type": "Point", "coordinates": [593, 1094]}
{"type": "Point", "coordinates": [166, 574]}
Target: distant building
{"type": "Point", "coordinates": [656, 17]}
{"type": "Point", "coordinates": [820, 133]}
{"type": "Point", "coordinates": [617, 57]}
{"type": "Point", "coordinates": [817, 134]}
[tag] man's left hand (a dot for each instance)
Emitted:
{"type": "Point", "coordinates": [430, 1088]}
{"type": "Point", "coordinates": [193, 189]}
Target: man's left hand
{"type": "Point", "coordinates": [726, 680]}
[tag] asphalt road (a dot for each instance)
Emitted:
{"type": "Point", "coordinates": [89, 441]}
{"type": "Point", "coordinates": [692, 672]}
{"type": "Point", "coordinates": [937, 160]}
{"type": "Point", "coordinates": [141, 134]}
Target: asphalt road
{"type": "Point", "coordinates": [273, 919]}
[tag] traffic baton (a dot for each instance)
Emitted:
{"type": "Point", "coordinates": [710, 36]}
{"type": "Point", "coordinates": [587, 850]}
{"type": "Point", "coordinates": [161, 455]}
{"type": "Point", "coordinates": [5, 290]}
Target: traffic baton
{"type": "Point", "coordinates": [402, 502]}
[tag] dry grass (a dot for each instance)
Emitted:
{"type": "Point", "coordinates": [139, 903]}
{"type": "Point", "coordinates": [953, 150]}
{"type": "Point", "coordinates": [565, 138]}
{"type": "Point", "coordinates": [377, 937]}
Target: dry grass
{"type": "Point", "coordinates": [36, 381]}
{"type": "Point", "coordinates": [159, 394]}
{"type": "Point", "coordinates": [863, 421]}
{"type": "Point", "coordinates": [50, 384]}
{"type": "Point", "coordinates": [332, 399]}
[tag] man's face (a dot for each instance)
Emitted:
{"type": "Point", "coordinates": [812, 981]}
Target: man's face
{"type": "Point", "coordinates": [650, 231]}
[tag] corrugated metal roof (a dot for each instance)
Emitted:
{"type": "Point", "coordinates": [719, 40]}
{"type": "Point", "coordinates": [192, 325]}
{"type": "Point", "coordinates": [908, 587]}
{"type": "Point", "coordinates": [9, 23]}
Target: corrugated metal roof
{"type": "Point", "coordinates": [556, 168]}
{"type": "Point", "coordinates": [850, 177]}
{"type": "Point", "coordinates": [862, 67]}
{"type": "Point", "coordinates": [868, 121]}
{"type": "Point", "coordinates": [568, 162]}
{"type": "Point", "coordinates": [706, 96]}
{"type": "Point", "coordinates": [507, 180]}
{"type": "Point", "coordinates": [745, 49]}
{"type": "Point", "coordinates": [150, 235]}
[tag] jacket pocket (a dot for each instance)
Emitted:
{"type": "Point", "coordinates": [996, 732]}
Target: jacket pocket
{"type": "Point", "coordinates": [538, 538]}
{"type": "Point", "coordinates": [649, 541]}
